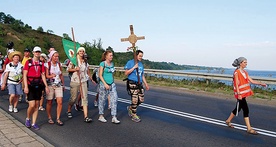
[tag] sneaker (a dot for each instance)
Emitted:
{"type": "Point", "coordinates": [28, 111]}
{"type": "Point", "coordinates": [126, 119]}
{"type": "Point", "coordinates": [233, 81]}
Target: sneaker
{"type": "Point", "coordinates": [115, 120]}
{"type": "Point", "coordinates": [28, 123]}
{"type": "Point", "coordinates": [102, 119]}
{"type": "Point", "coordinates": [35, 126]}
{"type": "Point", "coordinates": [129, 111]}
{"type": "Point", "coordinates": [87, 120]}
{"type": "Point", "coordinates": [41, 108]}
{"type": "Point", "coordinates": [69, 115]}
{"type": "Point", "coordinates": [15, 110]}
{"type": "Point", "coordinates": [26, 99]}
{"type": "Point", "coordinates": [135, 118]}
{"type": "Point", "coordinates": [10, 108]}
{"type": "Point", "coordinates": [95, 104]}
{"type": "Point", "coordinates": [77, 108]}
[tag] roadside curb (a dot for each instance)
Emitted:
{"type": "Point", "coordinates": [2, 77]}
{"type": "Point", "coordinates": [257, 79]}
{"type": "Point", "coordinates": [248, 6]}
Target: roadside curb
{"type": "Point", "coordinates": [26, 130]}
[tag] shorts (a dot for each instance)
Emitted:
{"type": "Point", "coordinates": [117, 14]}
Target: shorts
{"type": "Point", "coordinates": [54, 91]}
{"type": "Point", "coordinates": [15, 89]}
{"type": "Point", "coordinates": [35, 92]}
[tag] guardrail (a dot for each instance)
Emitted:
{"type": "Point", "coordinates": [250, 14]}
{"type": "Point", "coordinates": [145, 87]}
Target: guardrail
{"type": "Point", "coordinates": [207, 76]}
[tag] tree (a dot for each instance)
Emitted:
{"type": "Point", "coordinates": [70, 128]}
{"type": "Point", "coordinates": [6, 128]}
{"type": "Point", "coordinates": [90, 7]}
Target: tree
{"type": "Point", "coordinates": [66, 36]}
{"type": "Point", "coordinates": [2, 15]}
{"type": "Point", "coordinates": [8, 19]}
{"type": "Point", "coordinates": [40, 29]}
{"type": "Point", "coordinates": [50, 32]}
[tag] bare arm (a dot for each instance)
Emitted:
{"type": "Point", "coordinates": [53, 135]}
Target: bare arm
{"type": "Point", "coordinates": [44, 81]}
{"type": "Point", "coordinates": [26, 89]}
{"type": "Point", "coordinates": [145, 82]}
{"type": "Point", "coordinates": [256, 82]}
{"type": "Point", "coordinates": [128, 71]}
{"type": "Point", "coordinates": [4, 82]}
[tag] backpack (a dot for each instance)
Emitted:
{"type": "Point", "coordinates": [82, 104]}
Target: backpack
{"type": "Point", "coordinates": [95, 76]}
{"type": "Point", "coordinates": [36, 80]}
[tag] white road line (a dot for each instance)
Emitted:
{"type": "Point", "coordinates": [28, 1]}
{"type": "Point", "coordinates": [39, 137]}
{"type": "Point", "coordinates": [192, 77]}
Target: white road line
{"type": "Point", "coordinates": [192, 116]}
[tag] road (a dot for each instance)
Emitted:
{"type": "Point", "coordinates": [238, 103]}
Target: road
{"type": "Point", "coordinates": [169, 118]}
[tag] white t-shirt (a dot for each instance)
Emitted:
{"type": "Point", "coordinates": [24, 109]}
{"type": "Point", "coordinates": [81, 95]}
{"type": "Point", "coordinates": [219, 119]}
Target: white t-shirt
{"type": "Point", "coordinates": [54, 70]}
{"type": "Point", "coordinates": [15, 72]}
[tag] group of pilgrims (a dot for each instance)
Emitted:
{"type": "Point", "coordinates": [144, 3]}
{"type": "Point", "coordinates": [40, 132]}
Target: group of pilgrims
{"type": "Point", "coordinates": [41, 76]}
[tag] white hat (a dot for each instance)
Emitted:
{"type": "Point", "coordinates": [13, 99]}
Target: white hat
{"type": "Point", "coordinates": [44, 56]}
{"type": "Point", "coordinates": [37, 49]}
{"type": "Point", "coordinates": [80, 48]}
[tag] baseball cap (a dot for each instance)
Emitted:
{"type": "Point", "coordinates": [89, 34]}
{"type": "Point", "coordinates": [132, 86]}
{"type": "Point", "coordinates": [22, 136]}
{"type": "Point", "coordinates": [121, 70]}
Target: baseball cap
{"type": "Point", "coordinates": [37, 49]}
{"type": "Point", "coordinates": [27, 50]}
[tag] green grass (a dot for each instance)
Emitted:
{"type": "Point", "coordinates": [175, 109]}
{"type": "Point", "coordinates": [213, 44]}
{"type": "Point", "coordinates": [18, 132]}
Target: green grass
{"type": "Point", "coordinates": [201, 85]}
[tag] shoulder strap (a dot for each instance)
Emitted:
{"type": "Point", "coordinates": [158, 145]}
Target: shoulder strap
{"type": "Point", "coordinates": [49, 66]}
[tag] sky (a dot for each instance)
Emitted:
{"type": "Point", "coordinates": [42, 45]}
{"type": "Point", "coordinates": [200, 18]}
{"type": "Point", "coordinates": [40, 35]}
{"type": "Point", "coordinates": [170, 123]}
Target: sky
{"type": "Point", "coordinates": [186, 32]}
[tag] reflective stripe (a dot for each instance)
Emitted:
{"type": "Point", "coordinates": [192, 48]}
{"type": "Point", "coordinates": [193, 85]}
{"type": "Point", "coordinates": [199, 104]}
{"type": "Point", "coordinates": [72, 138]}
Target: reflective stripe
{"type": "Point", "coordinates": [244, 85]}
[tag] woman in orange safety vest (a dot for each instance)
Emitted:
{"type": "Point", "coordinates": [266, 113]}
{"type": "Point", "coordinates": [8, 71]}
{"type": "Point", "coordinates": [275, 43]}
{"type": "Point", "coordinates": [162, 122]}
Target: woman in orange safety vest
{"type": "Point", "coordinates": [241, 84]}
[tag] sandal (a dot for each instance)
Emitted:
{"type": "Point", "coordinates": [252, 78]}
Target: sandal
{"type": "Point", "coordinates": [87, 120]}
{"type": "Point", "coordinates": [50, 121]}
{"type": "Point", "coordinates": [229, 124]}
{"type": "Point", "coordinates": [59, 122]}
{"type": "Point", "coordinates": [252, 131]}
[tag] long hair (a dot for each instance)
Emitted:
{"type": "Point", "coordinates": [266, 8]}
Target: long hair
{"type": "Point", "coordinates": [105, 54]}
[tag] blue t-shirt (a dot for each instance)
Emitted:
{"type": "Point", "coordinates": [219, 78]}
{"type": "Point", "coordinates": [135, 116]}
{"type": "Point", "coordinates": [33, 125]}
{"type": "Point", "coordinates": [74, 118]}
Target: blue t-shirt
{"type": "Point", "coordinates": [133, 75]}
{"type": "Point", "coordinates": [108, 72]}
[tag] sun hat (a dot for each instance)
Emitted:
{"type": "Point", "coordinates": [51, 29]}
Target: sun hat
{"type": "Point", "coordinates": [37, 49]}
{"type": "Point", "coordinates": [15, 53]}
{"type": "Point", "coordinates": [44, 56]}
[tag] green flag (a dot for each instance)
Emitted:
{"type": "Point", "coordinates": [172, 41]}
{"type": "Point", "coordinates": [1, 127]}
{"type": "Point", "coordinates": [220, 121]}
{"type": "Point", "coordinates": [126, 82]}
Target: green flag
{"type": "Point", "coordinates": [70, 51]}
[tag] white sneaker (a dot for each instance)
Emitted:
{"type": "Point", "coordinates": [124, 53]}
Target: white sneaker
{"type": "Point", "coordinates": [102, 119]}
{"type": "Point", "coordinates": [15, 110]}
{"type": "Point", "coordinates": [10, 108]}
{"type": "Point", "coordinates": [115, 120]}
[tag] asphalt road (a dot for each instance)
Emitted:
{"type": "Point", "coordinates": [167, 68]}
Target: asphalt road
{"type": "Point", "coordinates": [168, 119]}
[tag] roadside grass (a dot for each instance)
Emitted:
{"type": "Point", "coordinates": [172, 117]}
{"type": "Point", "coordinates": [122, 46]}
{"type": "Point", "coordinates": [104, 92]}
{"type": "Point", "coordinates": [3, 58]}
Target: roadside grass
{"type": "Point", "coordinates": [213, 86]}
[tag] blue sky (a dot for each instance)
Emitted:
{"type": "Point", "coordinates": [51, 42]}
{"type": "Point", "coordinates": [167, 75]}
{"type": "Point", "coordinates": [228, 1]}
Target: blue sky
{"type": "Point", "coordinates": [192, 32]}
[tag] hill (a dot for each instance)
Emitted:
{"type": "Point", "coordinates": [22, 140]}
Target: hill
{"type": "Point", "coordinates": [24, 36]}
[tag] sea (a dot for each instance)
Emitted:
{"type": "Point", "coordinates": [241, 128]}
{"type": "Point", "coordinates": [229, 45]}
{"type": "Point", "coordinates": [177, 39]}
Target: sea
{"type": "Point", "coordinates": [252, 74]}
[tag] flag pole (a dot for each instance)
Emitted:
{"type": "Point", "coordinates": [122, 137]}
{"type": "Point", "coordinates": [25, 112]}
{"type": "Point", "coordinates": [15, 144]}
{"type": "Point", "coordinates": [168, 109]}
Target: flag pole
{"type": "Point", "coordinates": [75, 54]}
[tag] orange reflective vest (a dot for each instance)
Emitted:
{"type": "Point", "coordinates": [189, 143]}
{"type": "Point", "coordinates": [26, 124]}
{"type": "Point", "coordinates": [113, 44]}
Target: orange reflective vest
{"type": "Point", "coordinates": [243, 84]}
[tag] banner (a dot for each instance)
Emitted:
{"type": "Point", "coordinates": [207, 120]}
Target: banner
{"type": "Point", "coordinates": [70, 51]}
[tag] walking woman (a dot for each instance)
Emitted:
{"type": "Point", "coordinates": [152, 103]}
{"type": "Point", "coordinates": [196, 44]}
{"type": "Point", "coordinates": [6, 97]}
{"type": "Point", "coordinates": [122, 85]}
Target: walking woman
{"type": "Point", "coordinates": [135, 88]}
{"type": "Point", "coordinates": [55, 83]}
{"type": "Point", "coordinates": [79, 75]}
{"type": "Point", "coordinates": [107, 87]}
{"type": "Point", "coordinates": [13, 75]}
{"type": "Point", "coordinates": [241, 84]}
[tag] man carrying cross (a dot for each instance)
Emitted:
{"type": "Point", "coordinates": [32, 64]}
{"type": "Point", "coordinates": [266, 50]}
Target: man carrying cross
{"type": "Point", "coordinates": [134, 69]}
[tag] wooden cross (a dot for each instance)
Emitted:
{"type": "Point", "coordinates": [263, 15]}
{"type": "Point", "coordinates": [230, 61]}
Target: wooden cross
{"type": "Point", "coordinates": [132, 38]}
